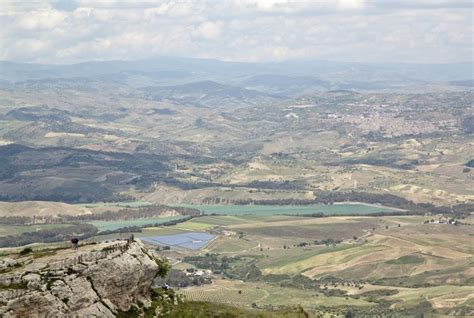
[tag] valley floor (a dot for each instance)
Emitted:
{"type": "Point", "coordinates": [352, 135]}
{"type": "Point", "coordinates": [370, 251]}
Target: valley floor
{"type": "Point", "coordinates": [390, 264]}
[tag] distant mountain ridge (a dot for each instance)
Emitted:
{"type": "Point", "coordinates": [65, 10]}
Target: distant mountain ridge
{"type": "Point", "coordinates": [209, 93]}
{"type": "Point", "coordinates": [467, 83]}
{"type": "Point", "coordinates": [324, 70]}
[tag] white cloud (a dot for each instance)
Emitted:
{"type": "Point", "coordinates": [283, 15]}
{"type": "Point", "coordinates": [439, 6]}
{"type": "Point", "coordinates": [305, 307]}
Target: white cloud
{"type": "Point", "coordinates": [245, 30]}
{"type": "Point", "coordinates": [351, 4]}
{"type": "Point", "coordinates": [208, 30]}
{"type": "Point", "coordinates": [41, 19]}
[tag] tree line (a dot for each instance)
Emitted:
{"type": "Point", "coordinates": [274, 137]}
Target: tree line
{"type": "Point", "coordinates": [122, 214]}
{"type": "Point", "coordinates": [80, 231]}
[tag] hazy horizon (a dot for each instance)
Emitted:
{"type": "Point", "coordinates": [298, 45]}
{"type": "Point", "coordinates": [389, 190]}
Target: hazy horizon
{"type": "Point", "coordinates": [303, 60]}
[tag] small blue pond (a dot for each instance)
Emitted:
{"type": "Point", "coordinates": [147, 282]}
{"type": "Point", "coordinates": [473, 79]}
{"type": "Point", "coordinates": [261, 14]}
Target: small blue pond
{"type": "Point", "coordinates": [191, 240]}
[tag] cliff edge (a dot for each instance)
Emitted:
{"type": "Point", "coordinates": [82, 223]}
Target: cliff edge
{"type": "Point", "coordinates": [95, 280]}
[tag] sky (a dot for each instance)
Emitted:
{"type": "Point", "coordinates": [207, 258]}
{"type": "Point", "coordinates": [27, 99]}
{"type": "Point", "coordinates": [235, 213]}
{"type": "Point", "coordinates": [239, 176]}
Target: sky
{"type": "Point", "coordinates": [70, 31]}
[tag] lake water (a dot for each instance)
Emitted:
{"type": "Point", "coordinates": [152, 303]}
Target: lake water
{"type": "Point", "coordinates": [340, 209]}
{"type": "Point", "coordinates": [191, 240]}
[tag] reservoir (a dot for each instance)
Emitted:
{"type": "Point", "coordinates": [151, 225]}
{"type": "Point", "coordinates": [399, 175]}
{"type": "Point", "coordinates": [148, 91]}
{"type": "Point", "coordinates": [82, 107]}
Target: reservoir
{"type": "Point", "coordinates": [268, 210]}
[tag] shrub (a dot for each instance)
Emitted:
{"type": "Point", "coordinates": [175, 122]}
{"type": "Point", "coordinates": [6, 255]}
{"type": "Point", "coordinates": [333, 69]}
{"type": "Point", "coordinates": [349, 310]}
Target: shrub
{"type": "Point", "coordinates": [164, 267]}
{"type": "Point", "coordinates": [26, 250]}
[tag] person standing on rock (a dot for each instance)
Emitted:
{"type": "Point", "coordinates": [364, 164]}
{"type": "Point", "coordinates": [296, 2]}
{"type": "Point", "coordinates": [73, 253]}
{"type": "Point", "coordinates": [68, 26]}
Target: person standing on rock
{"type": "Point", "coordinates": [74, 243]}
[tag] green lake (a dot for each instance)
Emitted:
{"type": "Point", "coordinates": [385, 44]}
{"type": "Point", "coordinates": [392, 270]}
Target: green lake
{"type": "Point", "coordinates": [339, 209]}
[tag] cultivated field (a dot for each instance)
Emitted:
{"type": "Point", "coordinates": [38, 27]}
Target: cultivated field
{"type": "Point", "coordinates": [396, 259]}
{"type": "Point", "coordinates": [227, 292]}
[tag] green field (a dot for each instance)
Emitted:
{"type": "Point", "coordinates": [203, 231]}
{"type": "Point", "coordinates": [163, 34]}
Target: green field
{"type": "Point", "coordinates": [190, 309]}
{"type": "Point", "coordinates": [336, 209]}
{"type": "Point", "coordinates": [6, 230]}
{"type": "Point", "coordinates": [231, 245]}
{"type": "Point", "coordinates": [146, 232]}
{"type": "Point", "coordinates": [262, 294]}
{"type": "Point", "coordinates": [223, 220]}
{"type": "Point", "coordinates": [407, 259]}
{"type": "Point", "coordinates": [282, 258]}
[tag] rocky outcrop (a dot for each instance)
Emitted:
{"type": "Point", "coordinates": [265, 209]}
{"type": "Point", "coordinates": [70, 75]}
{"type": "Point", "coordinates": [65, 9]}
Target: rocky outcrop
{"type": "Point", "coordinates": [97, 280]}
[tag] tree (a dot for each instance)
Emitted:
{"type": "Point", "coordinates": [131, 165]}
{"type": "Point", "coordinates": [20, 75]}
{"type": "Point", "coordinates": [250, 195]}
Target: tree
{"type": "Point", "coordinates": [164, 267]}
